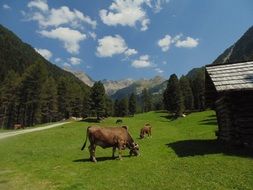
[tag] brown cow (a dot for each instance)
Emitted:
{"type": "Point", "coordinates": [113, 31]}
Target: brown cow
{"type": "Point", "coordinates": [18, 126]}
{"type": "Point", "coordinates": [145, 130]}
{"type": "Point", "coordinates": [115, 137]}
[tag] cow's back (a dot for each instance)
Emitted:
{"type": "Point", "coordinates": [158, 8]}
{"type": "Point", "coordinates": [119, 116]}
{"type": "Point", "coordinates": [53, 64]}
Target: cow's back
{"type": "Point", "coordinates": [107, 136]}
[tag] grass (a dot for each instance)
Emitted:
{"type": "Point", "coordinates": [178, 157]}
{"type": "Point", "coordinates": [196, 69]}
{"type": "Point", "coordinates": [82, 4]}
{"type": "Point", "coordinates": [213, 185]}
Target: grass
{"type": "Point", "coordinates": [182, 154]}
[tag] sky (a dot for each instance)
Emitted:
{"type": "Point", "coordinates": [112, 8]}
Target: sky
{"type": "Point", "coordinates": [122, 39]}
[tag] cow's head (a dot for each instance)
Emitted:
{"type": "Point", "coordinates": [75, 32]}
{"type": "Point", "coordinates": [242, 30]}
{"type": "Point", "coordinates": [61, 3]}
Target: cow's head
{"type": "Point", "coordinates": [134, 149]}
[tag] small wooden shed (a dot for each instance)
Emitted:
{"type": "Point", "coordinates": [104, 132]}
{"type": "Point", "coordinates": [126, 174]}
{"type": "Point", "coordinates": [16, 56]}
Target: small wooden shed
{"type": "Point", "coordinates": [230, 88]}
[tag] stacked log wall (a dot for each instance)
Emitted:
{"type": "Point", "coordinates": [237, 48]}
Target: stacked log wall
{"type": "Point", "coordinates": [243, 116]}
{"type": "Point", "coordinates": [234, 112]}
{"type": "Point", "coordinates": [223, 113]}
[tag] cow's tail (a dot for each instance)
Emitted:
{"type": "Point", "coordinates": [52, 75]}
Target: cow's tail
{"type": "Point", "coordinates": [85, 139]}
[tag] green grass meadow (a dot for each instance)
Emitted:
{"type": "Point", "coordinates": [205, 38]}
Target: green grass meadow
{"type": "Point", "coordinates": [182, 154]}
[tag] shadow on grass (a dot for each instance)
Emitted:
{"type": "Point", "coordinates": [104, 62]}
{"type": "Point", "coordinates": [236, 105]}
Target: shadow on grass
{"type": "Point", "coordinates": [161, 111]}
{"type": "Point", "coordinates": [204, 147]}
{"type": "Point", "coordinates": [211, 121]}
{"type": "Point", "coordinates": [99, 159]}
{"type": "Point", "coordinates": [169, 117]}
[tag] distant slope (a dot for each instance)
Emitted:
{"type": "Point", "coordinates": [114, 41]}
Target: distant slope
{"type": "Point", "coordinates": [18, 56]}
{"type": "Point", "coordinates": [34, 90]}
{"type": "Point", "coordinates": [139, 85]}
{"type": "Point", "coordinates": [241, 51]}
{"type": "Point", "coordinates": [113, 86]}
{"type": "Point", "coordinates": [82, 76]}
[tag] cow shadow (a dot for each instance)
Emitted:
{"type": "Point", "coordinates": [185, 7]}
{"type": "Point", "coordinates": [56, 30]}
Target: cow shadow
{"type": "Point", "coordinates": [100, 159]}
{"type": "Point", "coordinates": [169, 117]}
{"type": "Point", "coordinates": [186, 148]}
{"type": "Point", "coordinates": [210, 121]}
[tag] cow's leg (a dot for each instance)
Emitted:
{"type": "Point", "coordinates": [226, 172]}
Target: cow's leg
{"type": "Point", "coordinates": [120, 154]}
{"type": "Point", "coordinates": [92, 149]}
{"type": "Point", "coordinates": [113, 151]}
{"type": "Point", "coordinates": [120, 147]}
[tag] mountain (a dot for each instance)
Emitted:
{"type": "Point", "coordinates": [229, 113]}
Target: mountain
{"type": "Point", "coordinates": [33, 90]}
{"type": "Point", "coordinates": [82, 76]}
{"type": "Point", "coordinates": [154, 85]}
{"type": "Point", "coordinates": [18, 56]}
{"type": "Point", "coordinates": [240, 51]}
{"type": "Point", "coordinates": [112, 87]}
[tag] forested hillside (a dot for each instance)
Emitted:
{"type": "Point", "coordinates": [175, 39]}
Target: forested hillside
{"type": "Point", "coordinates": [32, 90]}
{"type": "Point", "coordinates": [240, 51]}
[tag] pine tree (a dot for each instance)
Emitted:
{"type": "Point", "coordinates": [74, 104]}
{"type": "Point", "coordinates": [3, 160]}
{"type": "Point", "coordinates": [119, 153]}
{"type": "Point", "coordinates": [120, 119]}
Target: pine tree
{"type": "Point", "coordinates": [62, 99]}
{"type": "Point", "coordinates": [198, 88]}
{"type": "Point", "coordinates": [146, 101]}
{"type": "Point", "coordinates": [9, 100]}
{"type": "Point", "coordinates": [86, 108]}
{"type": "Point", "coordinates": [108, 106]}
{"type": "Point", "coordinates": [132, 104]}
{"type": "Point", "coordinates": [98, 99]}
{"type": "Point", "coordinates": [187, 92]}
{"type": "Point", "coordinates": [49, 101]}
{"type": "Point", "coordinates": [31, 93]}
{"type": "Point", "coordinates": [123, 107]}
{"type": "Point", "coordinates": [116, 108]}
{"type": "Point", "coordinates": [75, 95]}
{"type": "Point", "coordinates": [172, 97]}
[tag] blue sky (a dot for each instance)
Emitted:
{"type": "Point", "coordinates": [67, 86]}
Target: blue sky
{"type": "Point", "coordinates": [128, 38]}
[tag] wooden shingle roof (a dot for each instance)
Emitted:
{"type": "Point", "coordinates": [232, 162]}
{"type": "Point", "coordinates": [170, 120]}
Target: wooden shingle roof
{"type": "Point", "coordinates": [236, 76]}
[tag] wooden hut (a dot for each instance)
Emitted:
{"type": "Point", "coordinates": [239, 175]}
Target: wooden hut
{"type": "Point", "coordinates": [230, 88]}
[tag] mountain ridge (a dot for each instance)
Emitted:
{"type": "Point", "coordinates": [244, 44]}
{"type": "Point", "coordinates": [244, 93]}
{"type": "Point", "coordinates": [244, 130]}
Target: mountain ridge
{"type": "Point", "coordinates": [240, 51]}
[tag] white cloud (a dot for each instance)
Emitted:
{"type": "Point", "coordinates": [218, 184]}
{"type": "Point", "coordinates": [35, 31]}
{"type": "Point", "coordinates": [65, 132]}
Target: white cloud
{"type": "Point", "coordinates": [130, 12]}
{"type": "Point", "coordinates": [142, 62]}
{"type": "Point", "coordinates": [144, 24]}
{"type": "Point", "coordinates": [159, 70]}
{"type": "Point", "coordinates": [125, 13]}
{"type": "Point", "coordinates": [6, 7]}
{"type": "Point", "coordinates": [109, 46]}
{"type": "Point", "coordinates": [75, 60]}
{"type": "Point", "coordinates": [130, 52]}
{"type": "Point", "coordinates": [164, 62]}
{"type": "Point", "coordinates": [39, 4]}
{"type": "Point", "coordinates": [187, 43]}
{"type": "Point", "coordinates": [47, 17]}
{"type": "Point", "coordinates": [70, 38]}
{"type": "Point", "coordinates": [93, 35]}
{"type": "Point", "coordinates": [57, 60]}
{"type": "Point", "coordinates": [66, 64]}
{"type": "Point", "coordinates": [165, 43]}
{"type": "Point", "coordinates": [45, 53]}
{"type": "Point", "coordinates": [157, 7]}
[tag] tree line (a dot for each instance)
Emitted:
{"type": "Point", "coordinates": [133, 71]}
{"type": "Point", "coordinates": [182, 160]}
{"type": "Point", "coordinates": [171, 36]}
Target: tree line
{"type": "Point", "coordinates": [37, 97]}
{"type": "Point", "coordinates": [185, 94]}
{"type": "Point", "coordinates": [181, 95]}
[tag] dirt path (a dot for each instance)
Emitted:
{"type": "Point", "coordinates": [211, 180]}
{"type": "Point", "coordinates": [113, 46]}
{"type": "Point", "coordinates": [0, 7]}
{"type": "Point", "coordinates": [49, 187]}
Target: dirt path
{"type": "Point", "coordinates": [14, 133]}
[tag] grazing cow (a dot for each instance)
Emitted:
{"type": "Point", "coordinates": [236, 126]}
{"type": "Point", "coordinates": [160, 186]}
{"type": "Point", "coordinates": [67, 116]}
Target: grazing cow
{"type": "Point", "coordinates": [145, 130]}
{"type": "Point", "coordinates": [18, 126]}
{"type": "Point", "coordinates": [119, 121]}
{"type": "Point", "coordinates": [115, 137]}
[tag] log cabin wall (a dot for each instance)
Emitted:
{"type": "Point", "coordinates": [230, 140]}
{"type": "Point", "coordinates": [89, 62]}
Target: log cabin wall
{"type": "Point", "coordinates": [230, 87]}
{"type": "Point", "coordinates": [242, 109]}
